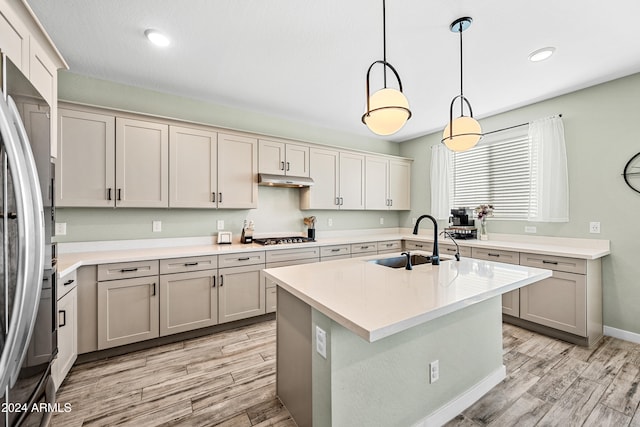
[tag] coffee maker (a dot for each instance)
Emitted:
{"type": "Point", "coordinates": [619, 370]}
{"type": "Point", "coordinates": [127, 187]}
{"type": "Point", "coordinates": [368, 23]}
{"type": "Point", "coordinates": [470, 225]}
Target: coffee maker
{"type": "Point", "coordinates": [461, 226]}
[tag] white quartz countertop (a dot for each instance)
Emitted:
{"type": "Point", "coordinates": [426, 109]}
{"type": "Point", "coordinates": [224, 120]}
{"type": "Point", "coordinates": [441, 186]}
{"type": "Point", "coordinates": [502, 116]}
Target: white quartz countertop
{"type": "Point", "coordinates": [375, 301]}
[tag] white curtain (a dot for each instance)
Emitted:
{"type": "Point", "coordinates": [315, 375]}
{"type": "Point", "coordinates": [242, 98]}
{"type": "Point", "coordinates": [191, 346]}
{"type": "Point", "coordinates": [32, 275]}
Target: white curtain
{"type": "Point", "coordinates": [549, 197]}
{"type": "Point", "coordinates": [441, 179]}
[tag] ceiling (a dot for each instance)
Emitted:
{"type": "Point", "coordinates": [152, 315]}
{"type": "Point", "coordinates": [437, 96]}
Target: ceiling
{"type": "Point", "coordinates": [307, 60]}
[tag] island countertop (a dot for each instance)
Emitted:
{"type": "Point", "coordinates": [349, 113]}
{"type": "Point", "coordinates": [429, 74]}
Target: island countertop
{"type": "Point", "coordinates": [375, 301]}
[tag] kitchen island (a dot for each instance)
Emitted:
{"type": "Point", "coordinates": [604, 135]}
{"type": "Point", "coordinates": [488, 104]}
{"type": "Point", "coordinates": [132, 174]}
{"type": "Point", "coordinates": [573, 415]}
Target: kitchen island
{"type": "Point", "coordinates": [356, 340]}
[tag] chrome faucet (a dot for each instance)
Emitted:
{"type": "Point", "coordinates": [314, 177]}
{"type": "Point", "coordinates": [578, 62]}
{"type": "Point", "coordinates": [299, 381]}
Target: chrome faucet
{"type": "Point", "coordinates": [435, 255]}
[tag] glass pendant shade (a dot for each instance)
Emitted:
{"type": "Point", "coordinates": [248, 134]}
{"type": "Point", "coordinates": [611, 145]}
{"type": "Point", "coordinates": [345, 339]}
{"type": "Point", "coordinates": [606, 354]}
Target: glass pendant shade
{"type": "Point", "coordinates": [462, 134]}
{"type": "Point", "coordinates": [388, 111]}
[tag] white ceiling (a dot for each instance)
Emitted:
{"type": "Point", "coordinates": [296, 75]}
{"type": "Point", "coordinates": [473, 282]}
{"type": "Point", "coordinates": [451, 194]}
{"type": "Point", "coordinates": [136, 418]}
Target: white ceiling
{"type": "Point", "coordinates": [307, 60]}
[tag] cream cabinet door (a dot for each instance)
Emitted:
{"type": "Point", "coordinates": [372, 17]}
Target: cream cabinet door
{"type": "Point", "coordinates": [271, 155]}
{"type": "Point", "coordinates": [511, 303]}
{"type": "Point", "coordinates": [237, 172]}
{"type": "Point", "coordinates": [188, 301]}
{"type": "Point", "coordinates": [376, 183]}
{"type": "Point", "coordinates": [85, 169]}
{"type": "Point", "coordinates": [323, 194]}
{"type": "Point", "coordinates": [67, 336]}
{"type": "Point", "coordinates": [192, 168]}
{"type": "Point", "coordinates": [351, 192]}
{"type": "Point", "coordinates": [15, 39]}
{"type": "Point", "coordinates": [399, 187]}
{"type": "Point", "coordinates": [241, 293]}
{"type": "Point", "coordinates": [296, 160]}
{"type": "Point", "coordinates": [127, 311]}
{"type": "Point", "coordinates": [142, 164]}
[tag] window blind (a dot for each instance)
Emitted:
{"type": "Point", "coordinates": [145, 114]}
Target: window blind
{"type": "Point", "coordinates": [497, 171]}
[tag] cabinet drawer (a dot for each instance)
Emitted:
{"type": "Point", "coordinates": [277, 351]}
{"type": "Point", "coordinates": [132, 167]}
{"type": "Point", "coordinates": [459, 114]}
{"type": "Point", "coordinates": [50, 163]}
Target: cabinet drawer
{"type": "Point", "coordinates": [417, 245]}
{"type": "Point", "coordinates": [450, 249]}
{"type": "Point", "coordinates": [182, 265]}
{"type": "Point", "coordinates": [66, 283]}
{"type": "Point", "coordinates": [126, 270]}
{"type": "Point", "coordinates": [240, 259]}
{"type": "Point", "coordinates": [362, 248]}
{"type": "Point", "coordinates": [291, 262]}
{"type": "Point", "coordinates": [293, 254]}
{"type": "Point", "coordinates": [390, 246]}
{"type": "Point", "coordinates": [508, 257]}
{"type": "Point", "coordinates": [555, 263]}
{"type": "Point", "coordinates": [335, 250]}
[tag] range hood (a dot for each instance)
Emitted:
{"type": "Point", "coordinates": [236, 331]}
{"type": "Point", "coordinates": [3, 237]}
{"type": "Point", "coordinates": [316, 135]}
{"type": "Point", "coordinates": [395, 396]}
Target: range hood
{"type": "Point", "coordinates": [284, 181]}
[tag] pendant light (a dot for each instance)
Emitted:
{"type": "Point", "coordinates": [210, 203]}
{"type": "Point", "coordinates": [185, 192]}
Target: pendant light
{"type": "Point", "coordinates": [464, 132]}
{"type": "Point", "coordinates": [388, 108]}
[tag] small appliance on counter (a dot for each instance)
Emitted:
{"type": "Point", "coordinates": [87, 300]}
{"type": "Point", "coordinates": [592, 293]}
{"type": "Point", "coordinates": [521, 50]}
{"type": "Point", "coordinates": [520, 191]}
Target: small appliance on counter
{"type": "Point", "coordinates": [461, 226]}
{"type": "Point", "coordinates": [224, 238]}
{"type": "Point", "coordinates": [247, 233]}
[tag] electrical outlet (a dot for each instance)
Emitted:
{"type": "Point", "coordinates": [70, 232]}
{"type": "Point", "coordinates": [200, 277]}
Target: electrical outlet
{"type": "Point", "coordinates": [156, 226]}
{"type": "Point", "coordinates": [220, 224]}
{"type": "Point", "coordinates": [330, 222]}
{"type": "Point", "coordinates": [321, 341]}
{"type": "Point", "coordinates": [434, 371]}
{"type": "Point", "coordinates": [594, 227]}
{"type": "Point", "coordinates": [530, 229]}
{"type": "Point", "coordinates": [61, 228]}
{"type": "Point", "coordinates": [381, 221]}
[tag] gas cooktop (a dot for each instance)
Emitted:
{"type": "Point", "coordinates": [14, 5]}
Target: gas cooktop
{"type": "Point", "coordinates": [282, 240]}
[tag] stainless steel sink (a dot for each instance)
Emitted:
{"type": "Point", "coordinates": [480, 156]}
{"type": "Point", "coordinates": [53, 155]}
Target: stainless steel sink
{"type": "Point", "coordinates": [401, 261]}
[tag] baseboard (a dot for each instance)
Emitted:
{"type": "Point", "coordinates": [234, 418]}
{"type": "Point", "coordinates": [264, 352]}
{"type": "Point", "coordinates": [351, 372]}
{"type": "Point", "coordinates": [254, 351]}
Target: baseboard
{"type": "Point", "coordinates": [462, 402]}
{"type": "Point", "coordinates": [622, 334]}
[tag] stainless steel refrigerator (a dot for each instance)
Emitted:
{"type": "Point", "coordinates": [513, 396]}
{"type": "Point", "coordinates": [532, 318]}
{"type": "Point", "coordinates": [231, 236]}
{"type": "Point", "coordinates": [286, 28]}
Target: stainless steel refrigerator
{"type": "Point", "coordinates": [28, 317]}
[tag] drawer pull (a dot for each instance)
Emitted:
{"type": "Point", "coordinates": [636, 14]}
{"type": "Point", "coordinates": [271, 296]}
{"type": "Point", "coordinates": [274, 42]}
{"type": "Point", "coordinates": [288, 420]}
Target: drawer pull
{"type": "Point", "coordinates": [64, 318]}
{"type": "Point", "coordinates": [244, 259]}
{"type": "Point", "coordinates": [68, 282]}
{"type": "Point", "coordinates": [419, 246]}
{"type": "Point", "coordinates": [495, 255]}
{"type": "Point", "coordinates": [450, 250]}
{"type": "Point", "coordinates": [544, 261]}
{"type": "Point", "coordinates": [364, 247]}
{"type": "Point", "coordinates": [190, 264]}
{"type": "Point", "coordinates": [128, 270]}
{"type": "Point", "coordinates": [335, 250]}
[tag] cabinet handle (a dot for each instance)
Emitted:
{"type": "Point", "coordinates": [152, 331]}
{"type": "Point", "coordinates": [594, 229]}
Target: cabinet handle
{"type": "Point", "coordinates": [213, 197]}
{"type": "Point", "coordinates": [419, 246]}
{"type": "Point", "coordinates": [221, 280]}
{"type": "Point", "coordinates": [108, 193]}
{"type": "Point", "coordinates": [335, 250]}
{"type": "Point", "coordinates": [119, 193]}
{"type": "Point", "coordinates": [281, 166]}
{"type": "Point", "coordinates": [219, 197]}
{"type": "Point", "coordinates": [244, 259]}
{"type": "Point", "coordinates": [190, 264]}
{"type": "Point", "coordinates": [390, 202]}
{"type": "Point", "coordinates": [288, 166]}
{"type": "Point", "coordinates": [450, 250]}
{"type": "Point", "coordinates": [214, 281]}
{"type": "Point", "coordinates": [68, 282]}
{"type": "Point", "coordinates": [64, 318]}
{"type": "Point", "coordinates": [337, 200]}
{"type": "Point", "coordinates": [154, 290]}
{"type": "Point", "coordinates": [495, 255]}
{"type": "Point", "coordinates": [544, 261]}
{"type": "Point", "coordinates": [364, 247]}
{"type": "Point", "coordinates": [128, 270]}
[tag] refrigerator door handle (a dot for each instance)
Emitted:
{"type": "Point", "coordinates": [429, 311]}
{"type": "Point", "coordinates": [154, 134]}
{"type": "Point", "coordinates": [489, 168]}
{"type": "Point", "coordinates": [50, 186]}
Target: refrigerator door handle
{"type": "Point", "coordinates": [30, 252]}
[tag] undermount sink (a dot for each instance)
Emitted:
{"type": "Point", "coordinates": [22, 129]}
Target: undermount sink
{"type": "Point", "coordinates": [401, 261]}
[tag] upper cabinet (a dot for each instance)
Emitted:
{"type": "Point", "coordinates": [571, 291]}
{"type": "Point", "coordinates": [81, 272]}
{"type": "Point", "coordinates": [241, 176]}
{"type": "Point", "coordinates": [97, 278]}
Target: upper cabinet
{"type": "Point", "coordinates": [388, 184]}
{"type": "Point", "coordinates": [24, 42]}
{"type": "Point", "coordinates": [279, 158]}
{"type": "Point", "coordinates": [237, 172]}
{"type": "Point", "coordinates": [338, 180]}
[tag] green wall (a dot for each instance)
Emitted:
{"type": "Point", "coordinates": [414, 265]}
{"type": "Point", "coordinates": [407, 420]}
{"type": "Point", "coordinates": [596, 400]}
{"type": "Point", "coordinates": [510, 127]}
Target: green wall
{"type": "Point", "coordinates": [601, 137]}
{"type": "Point", "coordinates": [278, 208]}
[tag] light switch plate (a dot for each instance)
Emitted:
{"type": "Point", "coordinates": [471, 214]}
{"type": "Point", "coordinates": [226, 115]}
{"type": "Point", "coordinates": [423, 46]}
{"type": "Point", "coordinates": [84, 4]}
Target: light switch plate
{"type": "Point", "coordinates": [61, 228]}
{"type": "Point", "coordinates": [220, 224]}
{"type": "Point", "coordinates": [156, 226]}
{"type": "Point", "coordinates": [321, 341]}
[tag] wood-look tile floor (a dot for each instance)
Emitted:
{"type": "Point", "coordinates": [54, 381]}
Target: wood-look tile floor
{"type": "Point", "coordinates": [228, 379]}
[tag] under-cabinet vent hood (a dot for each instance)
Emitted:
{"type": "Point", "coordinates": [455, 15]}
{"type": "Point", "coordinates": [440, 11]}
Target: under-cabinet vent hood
{"type": "Point", "coordinates": [284, 181]}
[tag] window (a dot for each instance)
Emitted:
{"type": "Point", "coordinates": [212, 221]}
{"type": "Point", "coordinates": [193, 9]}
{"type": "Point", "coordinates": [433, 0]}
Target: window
{"type": "Point", "coordinates": [498, 171]}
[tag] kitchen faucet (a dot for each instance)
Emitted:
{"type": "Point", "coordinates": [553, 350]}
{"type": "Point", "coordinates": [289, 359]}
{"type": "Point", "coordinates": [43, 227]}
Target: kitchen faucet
{"type": "Point", "coordinates": [435, 255]}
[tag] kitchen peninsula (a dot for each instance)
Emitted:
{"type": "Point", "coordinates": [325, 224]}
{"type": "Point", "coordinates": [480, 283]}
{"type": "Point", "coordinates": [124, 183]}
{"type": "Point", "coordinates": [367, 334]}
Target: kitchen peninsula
{"type": "Point", "coordinates": [357, 341]}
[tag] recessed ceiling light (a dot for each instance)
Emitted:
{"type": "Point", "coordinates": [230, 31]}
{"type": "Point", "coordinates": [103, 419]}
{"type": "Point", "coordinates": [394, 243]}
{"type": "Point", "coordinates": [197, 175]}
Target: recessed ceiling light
{"type": "Point", "coordinates": [157, 38]}
{"type": "Point", "coordinates": [541, 54]}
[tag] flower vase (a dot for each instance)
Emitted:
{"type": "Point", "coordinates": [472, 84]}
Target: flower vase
{"type": "Point", "coordinates": [483, 230]}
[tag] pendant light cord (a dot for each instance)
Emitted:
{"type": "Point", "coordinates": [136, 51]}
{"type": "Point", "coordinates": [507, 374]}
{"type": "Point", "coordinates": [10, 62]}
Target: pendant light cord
{"type": "Point", "coordinates": [461, 68]}
{"type": "Point", "coordinates": [384, 41]}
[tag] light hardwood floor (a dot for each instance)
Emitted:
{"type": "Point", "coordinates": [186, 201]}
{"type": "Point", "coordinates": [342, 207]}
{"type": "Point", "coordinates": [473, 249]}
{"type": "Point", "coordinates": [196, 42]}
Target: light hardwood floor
{"type": "Point", "coordinates": [228, 379]}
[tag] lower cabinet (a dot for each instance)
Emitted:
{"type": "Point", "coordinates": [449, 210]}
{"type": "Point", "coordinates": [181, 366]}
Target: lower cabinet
{"type": "Point", "coordinates": [510, 300]}
{"type": "Point", "coordinates": [241, 293]}
{"type": "Point", "coordinates": [67, 319]}
{"type": "Point", "coordinates": [127, 311]}
{"type": "Point", "coordinates": [188, 301]}
{"type": "Point", "coordinates": [271, 293]}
